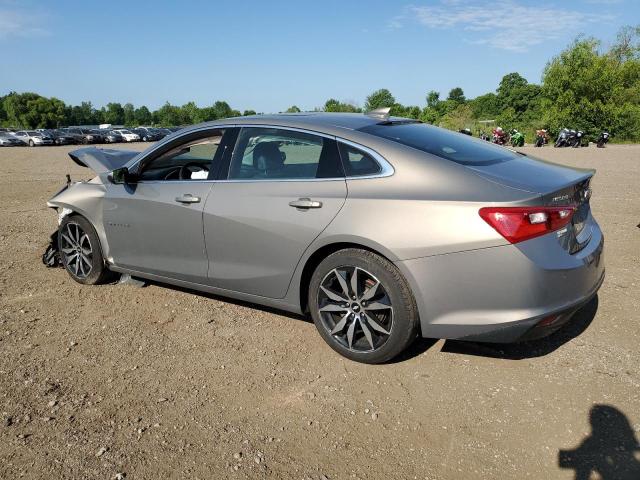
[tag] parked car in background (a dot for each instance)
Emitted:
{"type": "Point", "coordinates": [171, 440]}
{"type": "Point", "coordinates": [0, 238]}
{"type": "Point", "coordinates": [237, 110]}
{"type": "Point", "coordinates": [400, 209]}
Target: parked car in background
{"type": "Point", "coordinates": [174, 129]}
{"type": "Point", "coordinates": [128, 135]}
{"type": "Point", "coordinates": [98, 136]}
{"type": "Point", "coordinates": [164, 131]}
{"type": "Point", "coordinates": [84, 135]}
{"type": "Point", "coordinates": [9, 140]}
{"type": "Point", "coordinates": [33, 138]}
{"type": "Point", "coordinates": [148, 134]}
{"type": "Point", "coordinates": [112, 136]}
{"type": "Point", "coordinates": [61, 137]}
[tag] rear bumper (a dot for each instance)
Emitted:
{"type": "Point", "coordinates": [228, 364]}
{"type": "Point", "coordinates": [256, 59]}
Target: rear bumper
{"type": "Point", "coordinates": [506, 293]}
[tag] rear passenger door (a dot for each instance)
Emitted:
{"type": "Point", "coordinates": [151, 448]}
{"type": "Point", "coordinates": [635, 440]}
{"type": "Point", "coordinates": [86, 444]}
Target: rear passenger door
{"type": "Point", "coordinates": [282, 189]}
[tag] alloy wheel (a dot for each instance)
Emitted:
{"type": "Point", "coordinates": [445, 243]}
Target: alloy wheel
{"type": "Point", "coordinates": [76, 249]}
{"type": "Point", "coordinates": [355, 309]}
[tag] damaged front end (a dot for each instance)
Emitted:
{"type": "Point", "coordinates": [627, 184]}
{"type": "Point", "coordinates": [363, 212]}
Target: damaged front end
{"type": "Point", "coordinates": [84, 197]}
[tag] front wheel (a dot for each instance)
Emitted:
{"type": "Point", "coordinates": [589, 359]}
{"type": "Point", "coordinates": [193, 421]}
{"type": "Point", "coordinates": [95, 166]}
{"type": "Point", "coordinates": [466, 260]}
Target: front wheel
{"type": "Point", "coordinates": [362, 306]}
{"type": "Point", "coordinates": [80, 251]}
{"type": "Point", "coordinates": [31, 144]}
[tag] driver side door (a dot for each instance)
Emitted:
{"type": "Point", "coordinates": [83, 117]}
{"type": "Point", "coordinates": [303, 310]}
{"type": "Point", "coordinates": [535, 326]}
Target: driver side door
{"type": "Point", "coordinates": [155, 224]}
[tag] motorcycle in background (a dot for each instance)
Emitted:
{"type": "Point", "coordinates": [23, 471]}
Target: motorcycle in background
{"type": "Point", "coordinates": [602, 139]}
{"type": "Point", "coordinates": [484, 136]}
{"type": "Point", "coordinates": [499, 136]}
{"type": "Point", "coordinates": [541, 138]}
{"type": "Point", "coordinates": [566, 138]}
{"type": "Point", "coordinates": [577, 139]}
{"type": "Point", "coordinates": [517, 138]}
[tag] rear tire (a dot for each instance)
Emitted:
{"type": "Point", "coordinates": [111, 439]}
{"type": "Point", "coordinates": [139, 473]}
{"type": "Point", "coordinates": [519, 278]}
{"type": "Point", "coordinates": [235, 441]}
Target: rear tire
{"type": "Point", "coordinates": [371, 324]}
{"type": "Point", "coordinates": [80, 251]}
{"type": "Point", "coordinates": [31, 144]}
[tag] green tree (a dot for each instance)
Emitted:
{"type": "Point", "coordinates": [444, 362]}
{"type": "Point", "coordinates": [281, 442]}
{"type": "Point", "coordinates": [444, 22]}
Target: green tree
{"type": "Point", "coordinates": [586, 89]}
{"type": "Point", "coordinates": [168, 115]}
{"type": "Point", "coordinates": [293, 109]}
{"type": "Point", "coordinates": [458, 118]}
{"type": "Point", "coordinates": [246, 113]}
{"type": "Point", "coordinates": [379, 99]}
{"type": "Point", "coordinates": [486, 107]}
{"type": "Point", "coordinates": [456, 95]}
{"type": "Point", "coordinates": [114, 114]}
{"type": "Point", "coordinates": [129, 115]}
{"type": "Point", "coordinates": [333, 105]}
{"type": "Point", "coordinates": [142, 116]}
{"type": "Point", "coordinates": [190, 113]}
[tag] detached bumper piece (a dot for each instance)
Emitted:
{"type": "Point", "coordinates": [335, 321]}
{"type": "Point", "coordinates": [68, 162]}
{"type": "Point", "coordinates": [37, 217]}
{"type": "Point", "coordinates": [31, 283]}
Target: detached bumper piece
{"type": "Point", "coordinates": [51, 256]}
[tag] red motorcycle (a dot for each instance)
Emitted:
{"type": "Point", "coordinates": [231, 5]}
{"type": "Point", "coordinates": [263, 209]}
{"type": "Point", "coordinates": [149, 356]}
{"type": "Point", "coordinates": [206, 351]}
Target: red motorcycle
{"type": "Point", "coordinates": [499, 136]}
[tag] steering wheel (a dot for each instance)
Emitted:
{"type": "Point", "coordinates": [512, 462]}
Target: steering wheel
{"type": "Point", "coordinates": [188, 168]}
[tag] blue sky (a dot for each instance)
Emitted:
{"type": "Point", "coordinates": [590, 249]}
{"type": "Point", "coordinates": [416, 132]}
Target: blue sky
{"type": "Point", "coordinates": [270, 55]}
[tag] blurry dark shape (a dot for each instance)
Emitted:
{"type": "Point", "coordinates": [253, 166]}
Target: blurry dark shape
{"type": "Point", "coordinates": [610, 451]}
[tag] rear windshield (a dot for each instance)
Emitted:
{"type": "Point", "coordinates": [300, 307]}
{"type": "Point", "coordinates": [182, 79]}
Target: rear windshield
{"type": "Point", "coordinates": [453, 146]}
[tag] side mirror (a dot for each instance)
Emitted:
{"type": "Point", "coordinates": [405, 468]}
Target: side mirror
{"type": "Point", "coordinates": [122, 175]}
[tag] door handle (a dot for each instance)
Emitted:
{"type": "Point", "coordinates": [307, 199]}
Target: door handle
{"type": "Point", "coordinates": [188, 198]}
{"type": "Point", "coordinates": [305, 203]}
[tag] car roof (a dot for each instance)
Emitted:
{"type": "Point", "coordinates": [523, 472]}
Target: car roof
{"type": "Point", "coordinates": [338, 124]}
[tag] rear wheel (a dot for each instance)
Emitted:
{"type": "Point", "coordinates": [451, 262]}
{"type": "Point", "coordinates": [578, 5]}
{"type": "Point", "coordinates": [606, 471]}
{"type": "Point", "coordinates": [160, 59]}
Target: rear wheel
{"type": "Point", "coordinates": [31, 144]}
{"type": "Point", "coordinates": [362, 306]}
{"type": "Point", "coordinates": [80, 251]}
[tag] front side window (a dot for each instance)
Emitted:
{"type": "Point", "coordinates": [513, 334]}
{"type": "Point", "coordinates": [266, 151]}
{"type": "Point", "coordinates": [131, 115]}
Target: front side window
{"type": "Point", "coordinates": [189, 161]}
{"type": "Point", "coordinates": [279, 154]}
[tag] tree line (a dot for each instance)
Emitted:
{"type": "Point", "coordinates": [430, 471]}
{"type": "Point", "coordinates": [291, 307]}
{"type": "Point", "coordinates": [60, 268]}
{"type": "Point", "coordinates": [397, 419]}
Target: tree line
{"type": "Point", "coordinates": [585, 87]}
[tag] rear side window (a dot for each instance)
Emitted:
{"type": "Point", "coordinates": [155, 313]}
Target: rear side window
{"type": "Point", "coordinates": [356, 162]}
{"type": "Point", "coordinates": [279, 154]}
{"type": "Point", "coordinates": [443, 143]}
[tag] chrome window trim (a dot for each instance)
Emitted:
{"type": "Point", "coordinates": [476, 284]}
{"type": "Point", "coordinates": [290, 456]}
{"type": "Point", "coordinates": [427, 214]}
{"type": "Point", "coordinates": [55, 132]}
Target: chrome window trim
{"type": "Point", "coordinates": [386, 168]}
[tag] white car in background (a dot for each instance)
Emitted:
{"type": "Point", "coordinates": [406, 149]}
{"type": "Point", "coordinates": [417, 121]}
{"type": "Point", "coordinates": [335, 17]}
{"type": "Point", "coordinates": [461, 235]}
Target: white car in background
{"type": "Point", "coordinates": [33, 138]}
{"type": "Point", "coordinates": [128, 135]}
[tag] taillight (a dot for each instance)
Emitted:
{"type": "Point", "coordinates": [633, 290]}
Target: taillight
{"type": "Point", "coordinates": [517, 224]}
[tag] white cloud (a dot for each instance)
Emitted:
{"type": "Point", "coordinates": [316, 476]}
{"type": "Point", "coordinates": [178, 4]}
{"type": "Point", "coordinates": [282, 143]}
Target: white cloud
{"type": "Point", "coordinates": [505, 24]}
{"type": "Point", "coordinates": [16, 22]}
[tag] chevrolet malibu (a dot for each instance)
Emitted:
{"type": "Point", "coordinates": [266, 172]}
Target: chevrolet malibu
{"type": "Point", "coordinates": [380, 228]}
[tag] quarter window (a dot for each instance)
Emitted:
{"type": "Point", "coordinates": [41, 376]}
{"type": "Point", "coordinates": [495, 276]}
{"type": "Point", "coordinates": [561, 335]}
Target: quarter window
{"type": "Point", "coordinates": [273, 154]}
{"type": "Point", "coordinates": [356, 162]}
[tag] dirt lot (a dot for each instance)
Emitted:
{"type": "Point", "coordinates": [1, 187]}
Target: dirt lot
{"type": "Point", "coordinates": [156, 382]}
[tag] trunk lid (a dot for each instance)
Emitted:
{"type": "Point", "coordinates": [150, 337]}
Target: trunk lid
{"type": "Point", "coordinates": [558, 185]}
{"type": "Point", "coordinates": [532, 174]}
{"type": "Point", "coordinates": [102, 160]}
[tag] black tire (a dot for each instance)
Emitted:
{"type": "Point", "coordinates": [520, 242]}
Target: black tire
{"type": "Point", "coordinates": [145, 139]}
{"type": "Point", "coordinates": [31, 144]}
{"type": "Point", "coordinates": [402, 319]}
{"type": "Point", "coordinates": [98, 272]}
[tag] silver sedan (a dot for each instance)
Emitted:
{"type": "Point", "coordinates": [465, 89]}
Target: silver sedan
{"type": "Point", "coordinates": [380, 228]}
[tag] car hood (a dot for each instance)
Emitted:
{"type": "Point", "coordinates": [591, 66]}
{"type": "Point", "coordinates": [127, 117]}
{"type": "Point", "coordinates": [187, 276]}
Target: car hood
{"type": "Point", "coordinates": [101, 160]}
{"type": "Point", "coordinates": [532, 174]}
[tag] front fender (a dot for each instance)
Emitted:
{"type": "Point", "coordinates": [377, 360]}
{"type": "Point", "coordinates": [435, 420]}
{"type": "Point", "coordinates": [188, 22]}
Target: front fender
{"type": "Point", "coordinates": [85, 198]}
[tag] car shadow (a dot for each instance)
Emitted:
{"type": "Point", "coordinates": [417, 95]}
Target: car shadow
{"type": "Point", "coordinates": [508, 351]}
{"type": "Point", "coordinates": [241, 303]}
{"type": "Point", "coordinates": [610, 451]}
{"type": "Point", "coordinates": [531, 349]}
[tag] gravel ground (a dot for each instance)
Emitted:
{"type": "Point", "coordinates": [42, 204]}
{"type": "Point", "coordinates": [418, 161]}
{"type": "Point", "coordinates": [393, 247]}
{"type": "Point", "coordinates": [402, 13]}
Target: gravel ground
{"type": "Point", "coordinates": [123, 382]}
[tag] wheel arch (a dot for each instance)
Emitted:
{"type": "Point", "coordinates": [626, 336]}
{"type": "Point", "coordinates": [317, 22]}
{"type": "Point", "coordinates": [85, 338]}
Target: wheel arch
{"type": "Point", "coordinates": [322, 252]}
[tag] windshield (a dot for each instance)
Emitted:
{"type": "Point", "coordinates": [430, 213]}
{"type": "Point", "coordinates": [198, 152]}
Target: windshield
{"type": "Point", "coordinates": [124, 131]}
{"type": "Point", "coordinates": [446, 144]}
